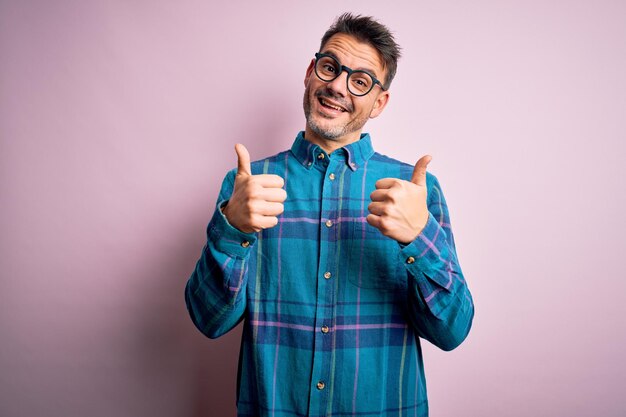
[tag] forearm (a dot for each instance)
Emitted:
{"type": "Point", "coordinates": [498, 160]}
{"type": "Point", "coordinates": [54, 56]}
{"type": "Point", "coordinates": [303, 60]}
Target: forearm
{"type": "Point", "coordinates": [216, 291]}
{"type": "Point", "coordinates": [440, 304]}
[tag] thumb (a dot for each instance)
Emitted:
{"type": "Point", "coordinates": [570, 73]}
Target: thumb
{"type": "Point", "coordinates": [243, 160]}
{"type": "Point", "coordinates": [419, 172]}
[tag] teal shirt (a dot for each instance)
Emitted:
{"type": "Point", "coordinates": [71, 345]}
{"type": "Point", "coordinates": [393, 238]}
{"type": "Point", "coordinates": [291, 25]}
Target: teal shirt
{"type": "Point", "coordinates": [334, 312]}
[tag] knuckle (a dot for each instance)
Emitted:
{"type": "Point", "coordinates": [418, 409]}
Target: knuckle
{"type": "Point", "coordinates": [256, 223]}
{"type": "Point", "coordinates": [254, 192]}
{"type": "Point", "coordinates": [249, 206]}
{"type": "Point", "coordinates": [384, 225]}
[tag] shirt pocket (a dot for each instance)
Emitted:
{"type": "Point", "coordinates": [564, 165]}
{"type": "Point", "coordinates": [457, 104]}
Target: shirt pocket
{"type": "Point", "coordinates": [374, 259]}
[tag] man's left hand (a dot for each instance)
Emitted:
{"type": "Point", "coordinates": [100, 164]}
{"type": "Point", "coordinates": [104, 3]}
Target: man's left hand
{"type": "Point", "coordinates": [398, 208]}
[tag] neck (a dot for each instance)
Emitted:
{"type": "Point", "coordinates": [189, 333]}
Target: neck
{"type": "Point", "coordinates": [331, 145]}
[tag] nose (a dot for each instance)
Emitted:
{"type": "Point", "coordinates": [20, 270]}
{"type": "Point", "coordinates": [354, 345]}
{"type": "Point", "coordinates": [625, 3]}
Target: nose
{"type": "Point", "coordinates": [340, 84]}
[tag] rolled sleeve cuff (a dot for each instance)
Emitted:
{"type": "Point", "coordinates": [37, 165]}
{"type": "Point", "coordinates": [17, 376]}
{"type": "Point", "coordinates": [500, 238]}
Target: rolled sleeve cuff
{"type": "Point", "coordinates": [428, 252]}
{"type": "Point", "coordinates": [228, 239]}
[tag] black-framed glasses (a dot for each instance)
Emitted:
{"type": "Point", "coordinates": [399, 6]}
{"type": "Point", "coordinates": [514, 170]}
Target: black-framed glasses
{"type": "Point", "coordinates": [360, 82]}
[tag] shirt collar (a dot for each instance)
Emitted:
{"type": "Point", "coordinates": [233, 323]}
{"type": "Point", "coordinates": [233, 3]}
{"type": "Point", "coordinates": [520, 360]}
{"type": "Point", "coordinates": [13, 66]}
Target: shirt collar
{"type": "Point", "coordinates": [357, 152]}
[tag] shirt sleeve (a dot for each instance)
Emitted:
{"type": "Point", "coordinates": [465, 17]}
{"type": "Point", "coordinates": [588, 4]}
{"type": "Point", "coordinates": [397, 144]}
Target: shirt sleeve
{"type": "Point", "coordinates": [440, 304]}
{"type": "Point", "coordinates": [216, 291]}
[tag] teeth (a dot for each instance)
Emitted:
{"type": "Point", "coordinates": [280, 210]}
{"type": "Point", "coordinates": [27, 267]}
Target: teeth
{"type": "Point", "coordinates": [331, 106]}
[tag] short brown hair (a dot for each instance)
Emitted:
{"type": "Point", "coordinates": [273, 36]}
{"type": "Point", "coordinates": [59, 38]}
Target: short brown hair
{"type": "Point", "coordinates": [367, 29]}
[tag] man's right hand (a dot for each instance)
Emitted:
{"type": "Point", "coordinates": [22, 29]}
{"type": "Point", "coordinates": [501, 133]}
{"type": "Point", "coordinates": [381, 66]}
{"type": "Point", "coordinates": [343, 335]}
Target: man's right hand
{"type": "Point", "coordinates": [256, 199]}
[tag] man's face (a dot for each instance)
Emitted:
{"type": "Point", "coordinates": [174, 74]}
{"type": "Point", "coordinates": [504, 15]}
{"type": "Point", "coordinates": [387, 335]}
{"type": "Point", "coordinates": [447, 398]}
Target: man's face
{"type": "Point", "coordinates": [332, 113]}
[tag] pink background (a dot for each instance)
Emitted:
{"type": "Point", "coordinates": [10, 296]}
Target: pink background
{"type": "Point", "coordinates": [117, 124]}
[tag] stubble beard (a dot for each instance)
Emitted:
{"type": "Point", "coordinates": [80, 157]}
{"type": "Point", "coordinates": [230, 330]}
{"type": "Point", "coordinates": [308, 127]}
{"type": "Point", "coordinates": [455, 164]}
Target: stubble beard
{"type": "Point", "coordinates": [336, 131]}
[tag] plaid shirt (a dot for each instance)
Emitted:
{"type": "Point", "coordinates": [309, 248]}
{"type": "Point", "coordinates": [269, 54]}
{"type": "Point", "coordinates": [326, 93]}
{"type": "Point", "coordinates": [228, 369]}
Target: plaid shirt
{"type": "Point", "coordinates": [333, 310]}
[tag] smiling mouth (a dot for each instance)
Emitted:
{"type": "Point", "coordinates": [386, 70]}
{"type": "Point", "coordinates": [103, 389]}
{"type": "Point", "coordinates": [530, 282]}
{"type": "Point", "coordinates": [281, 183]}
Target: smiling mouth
{"type": "Point", "coordinates": [325, 103]}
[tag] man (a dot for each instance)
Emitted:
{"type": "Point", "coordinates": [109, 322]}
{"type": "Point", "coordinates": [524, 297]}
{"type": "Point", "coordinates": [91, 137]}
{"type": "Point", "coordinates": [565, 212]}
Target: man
{"type": "Point", "coordinates": [337, 258]}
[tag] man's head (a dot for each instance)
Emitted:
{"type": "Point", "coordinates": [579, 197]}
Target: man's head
{"type": "Point", "coordinates": [367, 30]}
{"type": "Point", "coordinates": [348, 80]}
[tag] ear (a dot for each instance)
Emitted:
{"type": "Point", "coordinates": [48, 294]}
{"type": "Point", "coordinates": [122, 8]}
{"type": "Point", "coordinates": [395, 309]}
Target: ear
{"type": "Point", "coordinates": [379, 104]}
{"type": "Point", "coordinates": [309, 70]}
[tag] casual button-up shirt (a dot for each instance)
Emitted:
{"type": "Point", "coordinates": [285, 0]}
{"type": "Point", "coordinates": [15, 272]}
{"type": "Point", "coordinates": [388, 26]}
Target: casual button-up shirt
{"type": "Point", "coordinates": [333, 310]}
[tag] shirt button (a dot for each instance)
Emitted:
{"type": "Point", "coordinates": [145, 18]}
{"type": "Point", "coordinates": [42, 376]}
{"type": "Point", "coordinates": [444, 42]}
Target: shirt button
{"type": "Point", "coordinates": [331, 176]}
{"type": "Point", "coordinates": [320, 385]}
{"type": "Point", "coordinates": [325, 329]}
{"type": "Point", "coordinates": [329, 223]}
{"type": "Point", "coordinates": [327, 275]}
{"type": "Point", "coordinates": [410, 260]}
{"type": "Point", "coordinates": [320, 156]}
{"type": "Point", "coordinates": [245, 243]}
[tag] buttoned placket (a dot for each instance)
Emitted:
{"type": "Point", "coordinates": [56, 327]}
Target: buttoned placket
{"type": "Point", "coordinates": [329, 229]}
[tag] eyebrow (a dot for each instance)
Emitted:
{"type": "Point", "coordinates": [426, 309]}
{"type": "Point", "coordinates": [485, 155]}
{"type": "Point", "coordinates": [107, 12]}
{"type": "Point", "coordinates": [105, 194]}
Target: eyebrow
{"type": "Point", "coordinates": [368, 70]}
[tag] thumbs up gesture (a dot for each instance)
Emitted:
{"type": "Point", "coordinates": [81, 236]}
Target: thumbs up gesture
{"type": "Point", "coordinates": [256, 199]}
{"type": "Point", "coordinates": [398, 208]}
